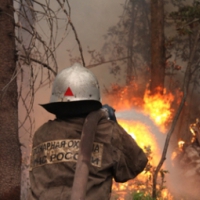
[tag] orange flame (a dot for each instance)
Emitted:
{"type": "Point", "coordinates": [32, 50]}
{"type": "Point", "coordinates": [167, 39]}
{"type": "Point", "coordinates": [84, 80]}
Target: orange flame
{"type": "Point", "coordinates": [158, 108]}
{"type": "Point", "coordinates": [142, 134]}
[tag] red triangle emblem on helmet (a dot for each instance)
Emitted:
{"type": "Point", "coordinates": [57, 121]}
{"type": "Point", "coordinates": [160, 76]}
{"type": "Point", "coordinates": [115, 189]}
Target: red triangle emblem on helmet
{"type": "Point", "coordinates": [69, 92]}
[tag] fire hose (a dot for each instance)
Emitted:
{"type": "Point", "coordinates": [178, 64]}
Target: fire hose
{"type": "Point", "coordinates": [83, 163]}
{"type": "Point", "coordinates": [87, 138]}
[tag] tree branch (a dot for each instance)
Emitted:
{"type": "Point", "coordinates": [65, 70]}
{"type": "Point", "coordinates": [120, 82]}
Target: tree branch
{"type": "Point", "coordinates": [109, 61]}
{"type": "Point", "coordinates": [169, 134]}
{"type": "Point", "coordinates": [41, 63]}
{"type": "Point", "coordinates": [73, 28]}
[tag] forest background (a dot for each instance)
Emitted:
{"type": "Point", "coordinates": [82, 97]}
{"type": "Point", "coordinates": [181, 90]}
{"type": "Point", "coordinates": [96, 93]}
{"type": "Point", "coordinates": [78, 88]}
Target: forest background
{"type": "Point", "coordinates": [113, 41]}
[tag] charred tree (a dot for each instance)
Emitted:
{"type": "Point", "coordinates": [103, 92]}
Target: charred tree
{"type": "Point", "coordinates": [10, 154]}
{"type": "Point", "coordinates": [157, 46]}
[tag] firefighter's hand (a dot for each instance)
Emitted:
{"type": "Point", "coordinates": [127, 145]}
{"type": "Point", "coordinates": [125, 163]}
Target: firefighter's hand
{"type": "Point", "coordinates": [110, 111]}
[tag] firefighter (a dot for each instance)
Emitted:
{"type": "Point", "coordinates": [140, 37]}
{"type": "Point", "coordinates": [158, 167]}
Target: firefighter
{"type": "Point", "coordinates": [56, 143]}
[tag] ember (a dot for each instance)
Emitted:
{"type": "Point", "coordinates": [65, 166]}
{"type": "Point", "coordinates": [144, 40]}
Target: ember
{"type": "Point", "coordinates": [195, 130]}
{"type": "Point", "coordinates": [180, 145]}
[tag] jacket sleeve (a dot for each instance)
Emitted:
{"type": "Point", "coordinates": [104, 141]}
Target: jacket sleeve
{"type": "Point", "coordinates": [129, 159]}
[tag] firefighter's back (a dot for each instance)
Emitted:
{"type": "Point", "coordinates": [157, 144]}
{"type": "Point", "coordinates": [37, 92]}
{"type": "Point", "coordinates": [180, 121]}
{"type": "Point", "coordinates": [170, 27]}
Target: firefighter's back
{"type": "Point", "coordinates": [55, 153]}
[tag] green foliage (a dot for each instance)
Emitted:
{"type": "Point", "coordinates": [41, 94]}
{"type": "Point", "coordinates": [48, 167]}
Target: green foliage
{"type": "Point", "coordinates": [141, 196]}
{"type": "Point", "coordinates": [149, 169]}
{"type": "Point", "coordinates": [141, 187]}
{"type": "Point", "coordinates": [187, 18]}
{"type": "Point", "coordinates": [187, 22]}
{"type": "Point", "coordinates": [187, 13]}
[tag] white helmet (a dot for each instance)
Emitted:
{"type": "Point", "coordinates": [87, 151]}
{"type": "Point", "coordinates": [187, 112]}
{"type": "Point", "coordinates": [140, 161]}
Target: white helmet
{"type": "Point", "coordinates": [72, 85]}
{"type": "Point", "coordinates": [75, 83]}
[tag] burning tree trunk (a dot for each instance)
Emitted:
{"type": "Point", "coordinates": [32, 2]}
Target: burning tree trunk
{"type": "Point", "coordinates": [157, 46]}
{"type": "Point", "coordinates": [10, 161]}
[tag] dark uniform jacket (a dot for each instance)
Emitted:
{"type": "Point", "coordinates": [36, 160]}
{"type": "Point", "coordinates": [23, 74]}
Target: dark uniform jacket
{"type": "Point", "coordinates": [55, 150]}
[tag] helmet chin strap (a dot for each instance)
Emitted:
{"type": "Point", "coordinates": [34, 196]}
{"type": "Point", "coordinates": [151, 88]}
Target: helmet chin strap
{"type": "Point", "coordinates": [84, 156]}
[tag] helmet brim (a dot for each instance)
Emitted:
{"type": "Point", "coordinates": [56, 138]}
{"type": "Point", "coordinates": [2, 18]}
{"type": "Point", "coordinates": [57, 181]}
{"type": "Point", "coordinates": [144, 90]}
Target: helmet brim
{"type": "Point", "coordinates": [72, 108]}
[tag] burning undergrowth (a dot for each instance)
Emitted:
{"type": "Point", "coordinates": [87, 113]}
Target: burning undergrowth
{"type": "Point", "coordinates": [147, 118]}
{"type": "Point", "coordinates": [186, 163]}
